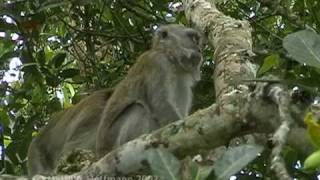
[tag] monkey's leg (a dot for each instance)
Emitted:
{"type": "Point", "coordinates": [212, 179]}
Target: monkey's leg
{"type": "Point", "coordinates": [38, 160]}
{"type": "Point", "coordinates": [134, 121]}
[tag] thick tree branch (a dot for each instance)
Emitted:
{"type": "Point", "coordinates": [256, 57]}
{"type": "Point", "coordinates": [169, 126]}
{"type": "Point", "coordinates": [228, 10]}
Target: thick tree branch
{"type": "Point", "coordinates": [232, 42]}
{"type": "Point", "coordinates": [205, 129]}
{"type": "Point", "coordinates": [238, 110]}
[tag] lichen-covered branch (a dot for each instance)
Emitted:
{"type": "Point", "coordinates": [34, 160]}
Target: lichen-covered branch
{"type": "Point", "coordinates": [181, 138]}
{"type": "Point", "coordinates": [238, 110]}
{"type": "Point", "coordinates": [205, 129]}
{"type": "Point", "coordinates": [281, 97]}
{"type": "Point", "coordinates": [232, 44]}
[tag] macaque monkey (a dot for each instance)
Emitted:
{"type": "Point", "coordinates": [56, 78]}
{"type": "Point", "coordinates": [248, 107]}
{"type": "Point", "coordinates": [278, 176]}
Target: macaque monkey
{"type": "Point", "coordinates": [156, 91]}
{"type": "Point", "coordinates": [72, 128]}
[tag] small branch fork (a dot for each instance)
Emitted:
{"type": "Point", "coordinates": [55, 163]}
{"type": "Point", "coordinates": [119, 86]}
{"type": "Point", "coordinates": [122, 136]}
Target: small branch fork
{"type": "Point", "coordinates": [280, 96]}
{"type": "Point", "coordinates": [279, 139]}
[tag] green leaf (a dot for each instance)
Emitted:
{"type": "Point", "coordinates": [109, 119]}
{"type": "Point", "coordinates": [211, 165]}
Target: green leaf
{"type": "Point", "coordinates": [71, 89]}
{"type": "Point", "coordinates": [312, 162]}
{"type": "Point", "coordinates": [37, 95]}
{"type": "Point", "coordinates": [313, 128]}
{"type": "Point", "coordinates": [304, 47]}
{"type": "Point", "coordinates": [48, 5]}
{"type": "Point", "coordinates": [268, 63]}
{"type": "Point", "coordinates": [5, 26]}
{"type": "Point", "coordinates": [4, 117]}
{"type": "Point", "coordinates": [78, 79]}
{"type": "Point", "coordinates": [7, 141]}
{"type": "Point", "coordinates": [199, 172]}
{"type": "Point", "coordinates": [41, 57]}
{"type": "Point", "coordinates": [69, 73]}
{"type": "Point", "coordinates": [163, 164]}
{"type": "Point", "coordinates": [52, 81]}
{"type": "Point", "coordinates": [54, 104]}
{"type": "Point", "coordinates": [6, 56]}
{"type": "Point", "coordinates": [235, 159]}
{"type": "Point", "coordinates": [58, 59]}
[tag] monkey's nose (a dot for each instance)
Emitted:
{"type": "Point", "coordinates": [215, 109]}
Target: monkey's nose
{"type": "Point", "coordinates": [196, 57]}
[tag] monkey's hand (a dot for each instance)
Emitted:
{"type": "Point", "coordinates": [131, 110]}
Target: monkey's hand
{"type": "Point", "coordinates": [166, 113]}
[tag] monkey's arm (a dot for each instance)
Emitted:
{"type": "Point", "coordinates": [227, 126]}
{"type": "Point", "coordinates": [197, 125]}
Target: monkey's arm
{"type": "Point", "coordinates": [160, 91]}
{"type": "Point", "coordinates": [133, 121]}
{"type": "Point", "coordinates": [165, 112]}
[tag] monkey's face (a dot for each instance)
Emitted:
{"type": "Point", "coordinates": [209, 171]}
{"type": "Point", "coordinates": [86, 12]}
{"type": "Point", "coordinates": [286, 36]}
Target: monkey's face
{"type": "Point", "coordinates": [183, 43]}
{"type": "Point", "coordinates": [176, 36]}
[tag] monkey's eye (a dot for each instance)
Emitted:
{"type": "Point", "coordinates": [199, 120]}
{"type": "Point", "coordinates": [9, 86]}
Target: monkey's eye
{"type": "Point", "coordinates": [194, 36]}
{"type": "Point", "coordinates": [162, 33]}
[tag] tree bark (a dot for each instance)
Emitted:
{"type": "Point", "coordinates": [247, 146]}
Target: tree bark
{"type": "Point", "coordinates": [238, 110]}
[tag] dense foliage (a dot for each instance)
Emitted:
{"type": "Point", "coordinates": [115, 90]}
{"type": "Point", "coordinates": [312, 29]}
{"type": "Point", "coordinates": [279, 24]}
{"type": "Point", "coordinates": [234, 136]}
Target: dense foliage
{"type": "Point", "coordinates": [52, 53]}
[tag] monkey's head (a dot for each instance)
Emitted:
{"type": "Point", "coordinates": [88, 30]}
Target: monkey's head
{"type": "Point", "coordinates": [183, 44]}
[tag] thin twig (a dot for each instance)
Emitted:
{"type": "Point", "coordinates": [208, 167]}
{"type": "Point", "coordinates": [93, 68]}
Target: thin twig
{"type": "Point", "coordinates": [95, 33]}
{"type": "Point", "coordinates": [280, 96]}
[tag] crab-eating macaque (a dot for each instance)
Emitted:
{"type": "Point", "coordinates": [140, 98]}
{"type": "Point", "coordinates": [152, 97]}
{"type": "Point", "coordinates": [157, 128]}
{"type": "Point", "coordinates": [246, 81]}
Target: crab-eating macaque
{"type": "Point", "coordinates": [156, 91]}
{"type": "Point", "coordinates": [67, 130]}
